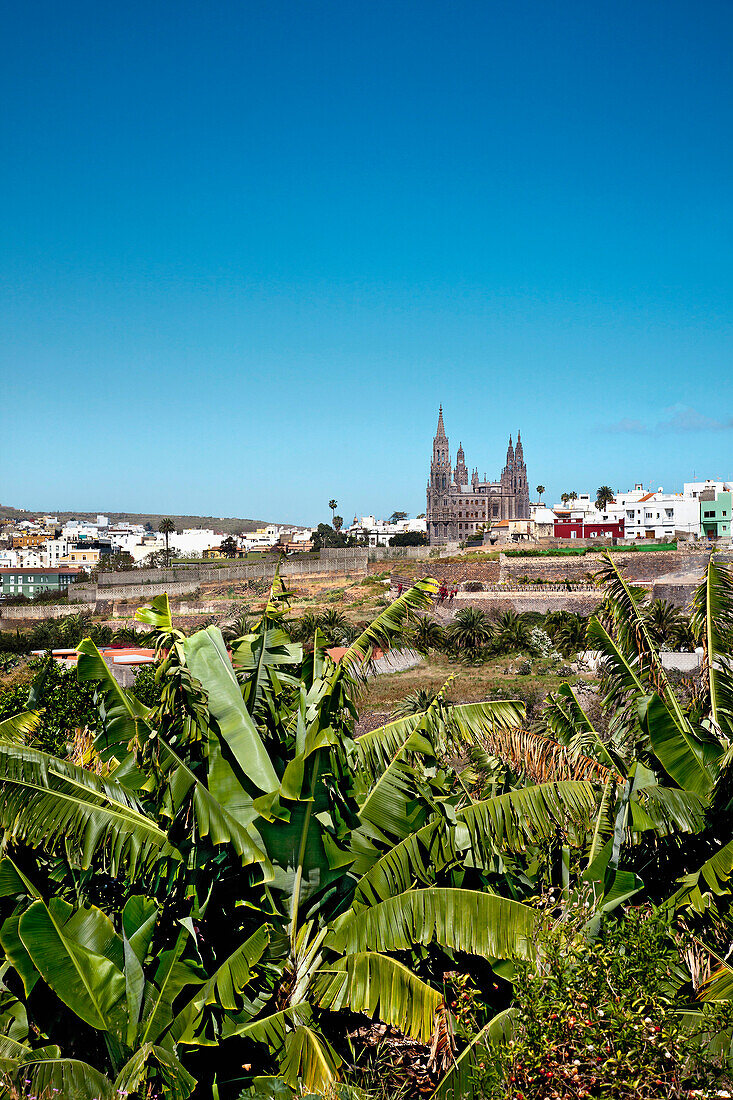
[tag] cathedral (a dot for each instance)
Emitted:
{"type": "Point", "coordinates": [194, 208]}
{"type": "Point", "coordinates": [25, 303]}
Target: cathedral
{"type": "Point", "coordinates": [459, 505]}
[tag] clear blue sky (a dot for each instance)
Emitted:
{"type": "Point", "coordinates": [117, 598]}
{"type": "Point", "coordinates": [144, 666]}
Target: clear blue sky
{"type": "Point", "coordinates": [247, 248]}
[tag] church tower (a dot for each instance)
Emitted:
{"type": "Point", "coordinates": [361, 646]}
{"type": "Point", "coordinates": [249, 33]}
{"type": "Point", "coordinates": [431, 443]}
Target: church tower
{"type": "Point", "coordinates": [440, 480]}
{"type": "Point", "coordinates": [461, 473]}
{"type": "Point", "coordinates": [520, 488]}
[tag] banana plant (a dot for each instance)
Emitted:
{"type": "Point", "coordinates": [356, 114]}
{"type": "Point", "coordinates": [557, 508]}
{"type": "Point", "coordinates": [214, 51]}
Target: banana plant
{"type": "Point", "coordinates": [145, 1001]}
{"type": "Point", "coordinates": [245, 808]}
{"type": "Point", "coordinates": [240, 807]}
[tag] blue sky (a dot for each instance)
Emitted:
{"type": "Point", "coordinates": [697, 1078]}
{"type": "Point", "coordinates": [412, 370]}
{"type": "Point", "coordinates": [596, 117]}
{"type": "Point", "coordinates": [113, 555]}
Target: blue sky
{"type": "Point", "coordinates": [247, 248]}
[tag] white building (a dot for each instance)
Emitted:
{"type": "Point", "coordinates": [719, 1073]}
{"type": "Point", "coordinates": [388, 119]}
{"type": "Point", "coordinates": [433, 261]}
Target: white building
{"type": "Point", "coordinates": [656, 515]}
{"type": "Point", "coordinates": [379, 532]}
{"type": "Point", "coordinates": [696, 488]}
{"type": "Point", "coordinates": [264, 538]}
{"type": "Point", "coordinates": [542, 521]}
{"type": "Point", "coordinates": [579, 508]}
{"type": "Point", "coordinates": [192, 541]}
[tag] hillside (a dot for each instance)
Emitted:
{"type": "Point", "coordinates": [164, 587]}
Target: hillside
{"type": "Point", "coordinates": [229, 524]}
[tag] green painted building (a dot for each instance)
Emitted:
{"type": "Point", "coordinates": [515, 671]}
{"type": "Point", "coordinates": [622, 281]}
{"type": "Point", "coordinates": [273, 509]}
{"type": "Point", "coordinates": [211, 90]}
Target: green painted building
{"type": "Point", "coordinates": [23, 581]}
{"type": "Point", "coordinates": [715, 516]}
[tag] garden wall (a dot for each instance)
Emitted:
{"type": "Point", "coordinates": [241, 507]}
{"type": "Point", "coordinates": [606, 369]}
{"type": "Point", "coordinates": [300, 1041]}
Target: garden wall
{"type": "Point", "coordinates": [28, 613]}
{"type": "Point", "coordinates": [146, 583]}
{"type": "Point", "coordinates": [328, 561]}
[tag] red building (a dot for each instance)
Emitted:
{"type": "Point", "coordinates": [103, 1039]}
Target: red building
{"type": "Point", "coordinates": [574, 528]}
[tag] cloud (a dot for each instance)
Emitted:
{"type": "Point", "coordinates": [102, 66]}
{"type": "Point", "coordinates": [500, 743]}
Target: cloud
{"type": "Point", "coordinates": [634, 427]}
{"type": "Point", "coordinates": [677, 420]}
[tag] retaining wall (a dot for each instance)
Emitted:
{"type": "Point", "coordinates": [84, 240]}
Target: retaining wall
{"type": "Point", "coordinates": [28, 613]}
{"type": "Point", "coordinates": [334, 560]}
{"type": "Point", "coordinates": [584, 603]}
{"type": "Point", "coordinates": [635, 566]}
{"type": "Point", "coordinates": [453, 572]}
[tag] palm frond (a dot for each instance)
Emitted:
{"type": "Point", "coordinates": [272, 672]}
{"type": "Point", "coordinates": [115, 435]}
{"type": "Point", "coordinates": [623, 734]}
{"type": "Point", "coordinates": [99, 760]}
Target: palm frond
{"type": "Point", "coordinates": [712, 879]}
{"type": "Point", "coordinates": [124, 717]}
{"type": "Point", "coordinates": [157, 614]}
{"type": "Point", "coordinates": [672, 810]}
{"type": "Point", "coordinates": [464, 920]}
{"type": "Point", "coordinates": [542, 760]}
{"type": "Point", "coordinates": [460, 1081]}
{"type": "Point", "coordinates": [712, 622]}
{"type": "Point", "coordinates": [309, 1059]}
{"type": "Point", "coordinates": [522, 817]}
{"type": "Point", "coordinates": [416, 859]}
{"type": "Point", "coordinates": [565, 719]}
{"type": "Point", "coordinates": [16, 728]}
{"type": "Point", "coordinates": [53, 802]}
{"type": "Point", "coordinates": [381, 987]}
{"type": "Point", "coordinates": [66, 1077]}
{"type": "Point", "coordinates": [633, 629]}
{"type": "Point", "coordinates": [222, 988]}
{"type": "Point", "coordinates": [208, 660]}
{"type": "Point", "coordinates": [264, 658]}
{"type": "Point", "coordinates": [213, 819]}
{"type": "Point", "coordinates": [719, 986]}
{"type": "Point", "coordinates": [177, 1082]}
{"type": "Point", "coordinates": [382, 632]}
{"type": "Point", "coordinates": [379, 747]}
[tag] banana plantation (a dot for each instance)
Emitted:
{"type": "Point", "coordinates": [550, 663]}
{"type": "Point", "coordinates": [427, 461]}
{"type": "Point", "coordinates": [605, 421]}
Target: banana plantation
{"type": "Point", "coordinates": [228, 894]}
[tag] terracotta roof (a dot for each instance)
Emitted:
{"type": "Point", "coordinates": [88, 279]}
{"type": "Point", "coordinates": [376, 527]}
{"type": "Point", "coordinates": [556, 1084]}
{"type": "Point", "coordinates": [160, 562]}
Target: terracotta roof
{"type": "Point", "coordinates": [647, 497]}
{"type": "Point", "coordinates": [501, 523]}
{"type": "Point", "coordinates": [337, 652]}
{"type": "Point", "coordinates": [26, 569]}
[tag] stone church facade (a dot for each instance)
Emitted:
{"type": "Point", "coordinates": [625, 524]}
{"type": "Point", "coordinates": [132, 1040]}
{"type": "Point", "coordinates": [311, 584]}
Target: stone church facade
{"type": "Point", "coordinates": [458, 504]}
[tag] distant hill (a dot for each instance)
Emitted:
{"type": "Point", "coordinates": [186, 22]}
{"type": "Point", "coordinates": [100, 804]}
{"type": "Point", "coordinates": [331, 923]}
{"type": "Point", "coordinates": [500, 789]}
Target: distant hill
{"type": "Point", "coordinates": [230, 525]}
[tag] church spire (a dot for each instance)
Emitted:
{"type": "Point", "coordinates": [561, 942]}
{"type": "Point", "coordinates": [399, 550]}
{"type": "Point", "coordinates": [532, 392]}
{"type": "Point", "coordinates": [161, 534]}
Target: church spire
{"type": "Point", "coordinates": [460, 475]}
{"type": "Point", "coordinates": [519, 453]}
{"type": "Point", "coordinates": [510, 452]}
{"type": "Point", "coordinates": [440, 434]}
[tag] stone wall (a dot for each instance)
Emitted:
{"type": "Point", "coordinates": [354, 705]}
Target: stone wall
{"type": "Point", "coordinates": [453, 572]}
{"type": "Point", "coordinates": [584, 603]}
{"type": "Point", "coordinates": [146, 583]}
{"type": "Point", "coordinates": [410, 553]}
{"type": "Point", "coordinates": [636, 566]}
{"type": "Point", "coordinates": [27, 613]}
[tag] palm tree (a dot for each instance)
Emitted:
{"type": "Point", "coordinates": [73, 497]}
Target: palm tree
{"type": "Point", "coordinates": [540, 491]}
{"type": "Point", "coordinates": [338, 522]}
{"type": "Point", "coordinates": [604, 496]}
{"type": "Point", "coordinates": [334, 625]}
{"type": "Point", "coordinates": [570, 635]}
{"type": "Point", "coordinates": [426, 634]}
{"type": "Point", "coordinates": [663, 619]}
{"type": "Point", "coordinates": [417, 702]}
{"type": "Point", "coordinates": [167, 527]}
{"type": "Point", "coordinates": [511, 633]}
{"type": "Point", "coordinates": [471, 631]}
{"type": "Point", "coordinates": [333, 505]}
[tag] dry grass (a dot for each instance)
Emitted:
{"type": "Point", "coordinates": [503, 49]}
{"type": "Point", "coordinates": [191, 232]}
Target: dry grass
{"type": "Point", "coordinates": [469, 684]}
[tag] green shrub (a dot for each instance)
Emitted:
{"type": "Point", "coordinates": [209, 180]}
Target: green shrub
{"type": "Point", "coordinates": [599, 1017]}
{"type": "Point", "coordinates": [67, 706]}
